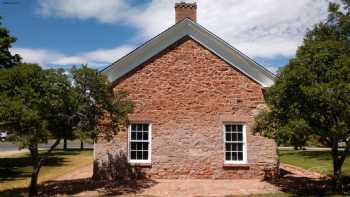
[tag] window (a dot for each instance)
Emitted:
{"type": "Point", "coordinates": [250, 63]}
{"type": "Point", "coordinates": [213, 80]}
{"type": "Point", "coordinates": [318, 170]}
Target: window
{"type": "Point", "coordinates": [139, 146]}
{"type": "Point", "coordinates": [235, 144]}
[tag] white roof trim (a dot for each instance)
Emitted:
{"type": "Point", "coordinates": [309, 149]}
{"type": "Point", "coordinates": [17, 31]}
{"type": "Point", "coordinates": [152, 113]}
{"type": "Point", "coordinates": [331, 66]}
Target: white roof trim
{"type": "Point", "coordinates": [189, 28]}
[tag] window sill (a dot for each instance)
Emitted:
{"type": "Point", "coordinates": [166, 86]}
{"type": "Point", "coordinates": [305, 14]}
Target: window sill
{"type": "Point", "coordinates": [140, 164]}
{"type": "Point", "coordinates": [236, 165]}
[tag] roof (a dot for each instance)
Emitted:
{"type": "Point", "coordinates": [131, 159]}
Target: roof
{"type": "Point", "coordinates": [198, 33]}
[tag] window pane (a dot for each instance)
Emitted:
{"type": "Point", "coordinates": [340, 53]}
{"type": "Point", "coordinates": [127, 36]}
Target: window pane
{"type": "Point", "coordinates": [144, 145]}
{"type": "Point", "coordinates": [239, 128]}
{"type": "Point", "coordinates": [139, 127]}
{"type": "Point", "coordinates": [228, 128]}
{"type": "Point", "coordinates": [228, 147]}
{"type": "Point", "coordinates": [240, 156]}
{"type": "Point", "coordinates": [234, 156]}
{"type": "Point", "coordinates": [133, 127]}
{"type": "Point", "coordinates": [234, 147]}
{"type": "Point", "coordinates": [133, 135]}
{"type": "Point", "coordinates": [133, 146]}
{"type": "Point", "coordinates": [240, 137]}
{"type": "Point", "coordinates": [240, 146]}
{"type": "Point", "coordinates": [145, 127]}
{"type": "Point", "coordinates": [133, 155]}
{"type": "Point", "coordinates": [139, 135]}
{"type": "Point", "coordinates": [139, 155]}
{"type": "Point", "coordinates": [228, 156]}
{"type": "Point", "coordinates": [234, 128]}
{"type": "Point", "coordinates": [234, 137]}
{"type": "Point", "coordinates": [228, 137]}
{"type": "Point", "coordinates": [145, 155]}
{"type": "Point", "coordinates": [138, 145]}
{"type": "Point", "coordinates": [145, 135]}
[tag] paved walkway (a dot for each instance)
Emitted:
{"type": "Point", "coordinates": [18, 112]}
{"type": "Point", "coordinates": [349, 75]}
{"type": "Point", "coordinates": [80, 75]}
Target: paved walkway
{"type": "Point", "coordinates": [194, 187]}
{"type": "Point", "coordinates": [300, 172]}
{"type": "Point", "coordinates": [186, 187]}
{"type": "Point", "coordinates": [205, 187]}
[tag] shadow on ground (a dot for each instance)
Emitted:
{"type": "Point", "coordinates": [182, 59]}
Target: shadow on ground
{"type": "Point", "coordinates": [320, 155]}
{"type": "Point", "coordinates": [302, 186]}
{"type": "Point", "coordinates": [115, 171]}
{"type": "Point", "coordinates": [293, 186]}
{"type": "Point", "coordinates": [71, 187]}
{"type": "Point", "coordinates": [15, 168]}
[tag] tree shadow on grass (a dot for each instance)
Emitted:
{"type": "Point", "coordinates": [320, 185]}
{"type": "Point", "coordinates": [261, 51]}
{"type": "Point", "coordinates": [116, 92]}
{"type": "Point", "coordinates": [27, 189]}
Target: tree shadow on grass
{"type": "Point", "coordinates": [71, 187]}
{"type": "Point", "coordinates": [303, 186]}
{"type": "Point", "coordinates": [15, 168]}
{"type": "Point", "coordinates": [319, 155]}
{"type": "Point", "coordinates": [122, 179]}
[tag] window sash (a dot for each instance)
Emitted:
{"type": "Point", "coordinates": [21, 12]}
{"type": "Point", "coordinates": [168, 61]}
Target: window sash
{"type": "Point", "coordinates": [142, 135]}
{"type": "Point", "coordinates": [235, 144]}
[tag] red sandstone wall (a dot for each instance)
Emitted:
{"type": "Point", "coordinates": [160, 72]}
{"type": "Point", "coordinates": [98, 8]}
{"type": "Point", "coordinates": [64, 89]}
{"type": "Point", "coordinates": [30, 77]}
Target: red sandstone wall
{"type": "Point", "coordinates": [187, 93]}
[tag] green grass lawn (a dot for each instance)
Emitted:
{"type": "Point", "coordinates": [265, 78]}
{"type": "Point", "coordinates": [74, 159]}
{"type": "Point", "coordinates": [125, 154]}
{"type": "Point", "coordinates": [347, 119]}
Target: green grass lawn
{"type": "Point", "coordinates": [15, 170]}
{"type": "Point", "coordinates": [316, 161]}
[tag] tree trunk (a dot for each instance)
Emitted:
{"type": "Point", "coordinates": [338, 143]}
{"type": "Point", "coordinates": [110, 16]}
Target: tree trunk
{"type": "Point", "coordinates": [337, 175]}
{"type": "Point", "coordinates": [33, 187]}
{"type": "Point", "coordinates": [338, 160]}
{"type": "Point", "coordinates": [65, 143]}
{"type": "Point", "coordinates": [81, 145]}
{"type": "Point", "coordinates": [37, 162]}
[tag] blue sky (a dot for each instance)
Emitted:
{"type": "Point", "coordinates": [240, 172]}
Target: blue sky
{"type": "Point", "coordinates": [62, 33]}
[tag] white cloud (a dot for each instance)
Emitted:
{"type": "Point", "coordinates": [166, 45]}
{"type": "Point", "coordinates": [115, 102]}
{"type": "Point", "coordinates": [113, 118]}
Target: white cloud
{"type": "Point", "coordinates": [107, 11]}
{"type": "Point", "coordinates": [47, 58]}
{"type": "Point", "coordinates": [259, 28]}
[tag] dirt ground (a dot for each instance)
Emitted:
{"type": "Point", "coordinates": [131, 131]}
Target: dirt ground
{"type": "Point", "coordinates": [82, 173]}
{"type": "Point", "coordinates": [187, 187]}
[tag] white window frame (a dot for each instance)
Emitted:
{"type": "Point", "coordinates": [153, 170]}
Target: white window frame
{"type": "Point", "coordinates": [244, 140]}
{"type": "Point", "coordinates": [138, 161]}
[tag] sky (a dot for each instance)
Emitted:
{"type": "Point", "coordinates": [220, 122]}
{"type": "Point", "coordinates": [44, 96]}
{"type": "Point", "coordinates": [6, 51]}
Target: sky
{"type": "Point", "coordinates": [62, 33]}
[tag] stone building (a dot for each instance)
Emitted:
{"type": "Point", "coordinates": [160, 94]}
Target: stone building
{"type": "Point", "coordinates": [195, 100]}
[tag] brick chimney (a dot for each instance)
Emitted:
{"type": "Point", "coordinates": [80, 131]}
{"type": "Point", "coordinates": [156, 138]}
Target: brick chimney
{"type": "Point", "coordinates": [185, 10]}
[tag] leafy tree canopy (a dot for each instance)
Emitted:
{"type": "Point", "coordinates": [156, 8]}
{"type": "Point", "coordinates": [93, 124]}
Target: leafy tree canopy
{"type": "Point", "coordinates": [311, 95]}
{"type": "Point", "coordinates": [6, 58]}
{"type": "Point", "coordinates": [37, 104]}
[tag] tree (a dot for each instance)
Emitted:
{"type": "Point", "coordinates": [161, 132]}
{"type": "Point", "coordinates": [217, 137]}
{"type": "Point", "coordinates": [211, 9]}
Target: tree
{"type": "Point", "coordinates": [294, 132]}
{"type": "Point", "coordinates": [63, 116]}
{"type": "Point", "coordinates": [6, 58]}
{"type": "Point", "coordinates": [36, 104]}
{"type": "Point", "coordinates": [97, 101]}
{"type": "Point", "coordinates": [27, 94]}
{"type": "Point", "coordinates": [311, 95]}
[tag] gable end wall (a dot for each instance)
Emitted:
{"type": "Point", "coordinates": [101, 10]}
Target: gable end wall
{"type": "Point", "coordinates": [188, 93]}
